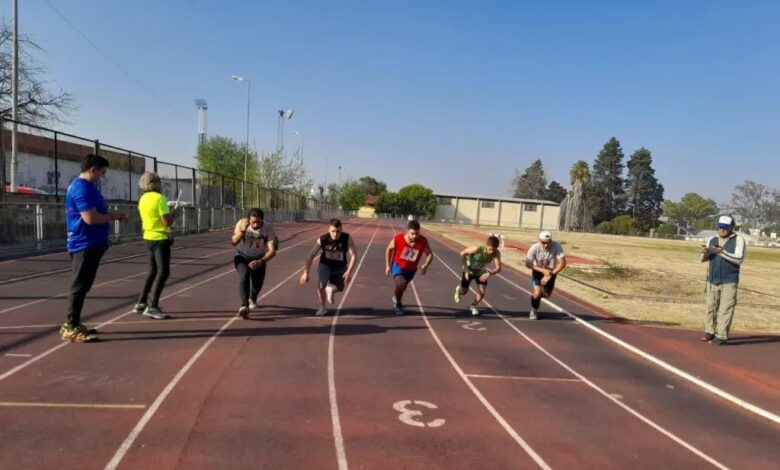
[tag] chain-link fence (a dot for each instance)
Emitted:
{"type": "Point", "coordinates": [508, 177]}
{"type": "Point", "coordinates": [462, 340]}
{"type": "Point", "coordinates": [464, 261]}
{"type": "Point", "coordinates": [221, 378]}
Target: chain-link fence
{"type": "Point", "coordinates": [48, 160]}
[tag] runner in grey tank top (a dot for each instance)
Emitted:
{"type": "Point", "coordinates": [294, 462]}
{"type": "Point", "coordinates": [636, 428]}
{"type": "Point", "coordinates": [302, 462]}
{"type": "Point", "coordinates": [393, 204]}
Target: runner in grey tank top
{"type": "Point", "coordinates": [254, 242]}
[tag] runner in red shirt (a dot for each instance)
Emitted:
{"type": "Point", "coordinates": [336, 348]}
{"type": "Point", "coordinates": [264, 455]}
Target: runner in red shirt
{"type": "Point", "coordinates": [402, 256]}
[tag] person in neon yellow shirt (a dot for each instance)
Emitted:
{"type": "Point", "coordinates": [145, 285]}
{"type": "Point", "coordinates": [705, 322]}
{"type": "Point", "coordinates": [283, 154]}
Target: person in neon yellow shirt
{"type": "Point", "coordinates": [156, 220]}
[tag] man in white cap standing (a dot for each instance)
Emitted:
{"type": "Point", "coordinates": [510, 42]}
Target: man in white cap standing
{"type": "Point", "coordinates": [545, 259]}
{"type": "Point", "coordinates": [725, 253]}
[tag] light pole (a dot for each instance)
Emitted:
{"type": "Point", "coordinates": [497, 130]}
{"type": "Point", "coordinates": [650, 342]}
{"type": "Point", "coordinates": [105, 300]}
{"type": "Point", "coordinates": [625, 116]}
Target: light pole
{"type": "Point", "coordinates": [300, 155]}
{"type": "Point", "coordinates": [246, 150]}
{"type": "Point", "coordinates": [283, 114]}
{"type": "Point", "coordinates": [14, 97]}
{"type": "Point", "coordinates": [326, 171]}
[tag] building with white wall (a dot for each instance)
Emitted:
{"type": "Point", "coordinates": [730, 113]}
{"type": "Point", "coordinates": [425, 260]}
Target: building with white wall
{"type": "Point", "coordinates": [502, 212]}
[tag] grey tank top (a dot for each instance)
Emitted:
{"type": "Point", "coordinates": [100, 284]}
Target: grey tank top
{"type": "Point", "coordinates": [254, 243]}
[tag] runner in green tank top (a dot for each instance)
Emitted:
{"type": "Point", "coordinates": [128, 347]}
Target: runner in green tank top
{"type": "Point", "coordinates": [475, 268]}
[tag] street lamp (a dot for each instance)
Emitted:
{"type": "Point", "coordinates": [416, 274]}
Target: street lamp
{"type": "Point", "coordinates": [326, 171]}
{"type": "Point", "coordinates": [300, 156]}
{"type": "Point", "coordinates": [283, 114]}
{"type": "Point", "coordinates": [246, 150]}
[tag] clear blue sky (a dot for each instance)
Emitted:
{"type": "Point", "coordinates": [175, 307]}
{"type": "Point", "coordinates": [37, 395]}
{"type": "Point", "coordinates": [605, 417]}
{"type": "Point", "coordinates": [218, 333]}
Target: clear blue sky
{"type": "Point", "coordinates": [451, 94]}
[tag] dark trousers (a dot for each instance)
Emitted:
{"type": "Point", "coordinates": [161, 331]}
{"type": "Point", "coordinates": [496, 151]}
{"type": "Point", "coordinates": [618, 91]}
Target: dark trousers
{"type": "Point", "coordinates": [159, 270]}
{"type": "Point", "coordinates": [249, 281]}
{"type": "Point", "coordinates": [84, 265]}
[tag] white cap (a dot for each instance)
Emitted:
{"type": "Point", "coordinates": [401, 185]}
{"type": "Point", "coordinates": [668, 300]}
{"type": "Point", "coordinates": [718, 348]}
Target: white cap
{"type": "Point", "coordinates": [726, 220]}
{"type": "Point", "coordinates": [545, 235]}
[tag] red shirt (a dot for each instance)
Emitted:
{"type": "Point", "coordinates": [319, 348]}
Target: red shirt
{"type": "Point", "coordinates": [408, 257]}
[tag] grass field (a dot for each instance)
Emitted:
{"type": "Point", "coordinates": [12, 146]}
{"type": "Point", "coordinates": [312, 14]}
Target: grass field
{"type": "Point", "coordinates": [648, 280]}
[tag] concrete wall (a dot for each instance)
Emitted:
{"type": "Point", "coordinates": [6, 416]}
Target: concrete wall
{"type": "Point", "coordinates": [503, 213]}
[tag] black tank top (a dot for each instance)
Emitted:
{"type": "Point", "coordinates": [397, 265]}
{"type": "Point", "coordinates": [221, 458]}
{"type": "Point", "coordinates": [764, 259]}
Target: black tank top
{"type": "Point", "coordinates": [334, 252]}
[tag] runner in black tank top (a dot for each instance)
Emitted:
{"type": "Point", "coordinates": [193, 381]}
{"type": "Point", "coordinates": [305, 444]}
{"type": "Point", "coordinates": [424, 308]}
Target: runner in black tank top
{"type": "Point", "coordinates": [337, 254]}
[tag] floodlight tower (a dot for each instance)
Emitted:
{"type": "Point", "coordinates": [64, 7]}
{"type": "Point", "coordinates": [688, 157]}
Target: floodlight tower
{"type": "Point", "coordinates": [283, 114]}
{"type": "Point", "coordinates": [202, 108]}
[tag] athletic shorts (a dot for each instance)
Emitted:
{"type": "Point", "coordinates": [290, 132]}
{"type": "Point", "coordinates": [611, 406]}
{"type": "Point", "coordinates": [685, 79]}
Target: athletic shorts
{"type": "Point", "coordinates": [397, 271]}
{"type": "Point", "coordinates": [536, 280]}
{"type": "Point", "coordinates": [327, 275]}
{"type": "Point", "coordinates": [469, 276]}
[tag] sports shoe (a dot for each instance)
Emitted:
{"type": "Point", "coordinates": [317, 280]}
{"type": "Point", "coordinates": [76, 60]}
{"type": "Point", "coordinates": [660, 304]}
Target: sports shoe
{"type": "Point", "coordinates": [139, 308]}
{"type": "Point", "coordinates": [717, 341]}
{"type": "Point", "coordinates": [85, 329]}
{"type": "Point", "coordinates": [457, 295]}
{"type": "Point", "coordinates": [322, 311]}
{"type": "Point", "coordinates": [707, 337]}
{"type": "Point", "coordinates": [243, 312]}
{"type": "Point", "coordinates": [532, 315]}
{"type": "Point", "coordinates": [395, 301]}
{"type": "Point", "coordinates": [398, 309]}
{"type": "Point", "coordinates": [474, 310]}
{"type": "Point", "coordinates": [75, 335]}
{"type": "Point", "coordinates": [156, 312]}
{"type": "Point", "coordinates": [329, 293]}
{"type": "Point", "coordinates": [252, 305]}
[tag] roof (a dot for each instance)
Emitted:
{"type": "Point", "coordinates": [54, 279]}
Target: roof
{"type": "Point", "coordinates": [495, 198]}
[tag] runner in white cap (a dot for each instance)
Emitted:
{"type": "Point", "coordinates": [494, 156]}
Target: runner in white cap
{"type": "Point", "coordinates": [545, 259]}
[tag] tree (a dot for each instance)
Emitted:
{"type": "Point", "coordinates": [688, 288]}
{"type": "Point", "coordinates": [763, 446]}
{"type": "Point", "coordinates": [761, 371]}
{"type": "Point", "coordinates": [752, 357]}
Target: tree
{"type": "Point", "coordinates": [421, 200]}
{"type": "Point", "coordinates": [645, 193]}
{"type": "Point", "coordinates": [391, 203]}
{"type": "Point", "coordinates": [37, 103]}
{"type": "Point", "coordinates": [753, 202]}
{"type": "Point", "coordinates": [277, 171]}
{"type": "Point", "coordinates": [607, 182]}
{"type": "Point", "coordinates": [554, 192]}
{"type": "Point", "coordinates": [531, 184]}
{"type": "Point", "coordinates": [224, 156]}
{"type": "Point", "coordinates": [691, 208]}
{"type": "Point", "coordinates": [372, 186]}
{"type": "Point", "coordinates": [352, 195]}
{"type": "Point", "coordinates": [575, 212]}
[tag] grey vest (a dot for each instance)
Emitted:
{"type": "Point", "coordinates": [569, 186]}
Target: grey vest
{"type": "Point", "coordinates": [722, 271]}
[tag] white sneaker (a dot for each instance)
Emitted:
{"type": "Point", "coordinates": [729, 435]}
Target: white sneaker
{"type": "Point", "coordinates": [322, 312]}
{"type": "Point", "coordinates": [395, 301]}
{"type": "Point", "coordinates": [252, 305]}
{"type": "Point", "coordinates": [457, 295]}
{"type": "Point", "coordinates": [329, 293]}
{"type": "Point", "coordinates": [243, 312]}
{"type": "Point", "coordinates": [474, 310]}
{"type": "Point", "coordinates": [532, 314]}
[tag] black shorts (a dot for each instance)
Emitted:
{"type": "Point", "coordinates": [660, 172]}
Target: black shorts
{"type": "Point", "coordinates": [536, 280]}
{"type": "Point", "coordinates": [467, 277]}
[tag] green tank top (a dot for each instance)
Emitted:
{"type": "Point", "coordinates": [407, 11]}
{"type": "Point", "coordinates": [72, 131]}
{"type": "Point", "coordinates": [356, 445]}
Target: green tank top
{"type": "Point", "coordinates": [478, 261]}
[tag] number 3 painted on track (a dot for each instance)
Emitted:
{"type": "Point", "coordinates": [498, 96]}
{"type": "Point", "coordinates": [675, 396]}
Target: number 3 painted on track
{"type": "Point", "coordinates": [408, 416]}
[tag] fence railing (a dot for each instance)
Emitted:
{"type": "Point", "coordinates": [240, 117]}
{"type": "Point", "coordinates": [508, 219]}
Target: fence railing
{"type": "Point", "coordinates": [48, 160]}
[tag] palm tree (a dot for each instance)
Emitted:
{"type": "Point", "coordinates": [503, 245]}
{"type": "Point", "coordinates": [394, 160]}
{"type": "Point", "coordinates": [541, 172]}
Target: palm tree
{"type": "Point", "coordinates": [576, 210]}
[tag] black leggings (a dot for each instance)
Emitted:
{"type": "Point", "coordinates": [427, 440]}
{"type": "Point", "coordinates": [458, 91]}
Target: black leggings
{"type": "Point", "coordinates": [159, 270]}
{"type": "Point", "coordinates": [250, 281]}
{"type": "Point", "coordinates": [85, 265]}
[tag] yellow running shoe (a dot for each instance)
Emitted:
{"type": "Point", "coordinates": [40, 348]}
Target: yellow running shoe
{"type": "Point", "coordinates": [76, 334]}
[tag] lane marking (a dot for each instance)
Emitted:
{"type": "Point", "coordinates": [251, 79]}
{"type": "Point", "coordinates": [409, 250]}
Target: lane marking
{"type": "Point", "coordinates": [108, 322]}
{"type": "Point", "coordinates": [338, 438]}
{"type": "Point", "coordinates": [521, 377]}
{"type": "Point", "coordinates": [18, 355]}
{"type": "Point", "coordinates": [408, 416]}
{"type": "Point", "coordinates": [117, 406]}
{"type": "Point", "coordinates": [136, 431]}
{"type": "Point", "coordinates": [661, 363]}
{"type": "Point", "coordinates": [504, 424]}
{"type": "Point", "coordinates": [601, 391]}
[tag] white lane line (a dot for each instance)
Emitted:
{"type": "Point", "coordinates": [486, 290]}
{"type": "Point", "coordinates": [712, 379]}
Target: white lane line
{"type": "Point", "coordinates": [661, 363]}
{"type": "Point", "coordinates": [130, 439]}
{"type": "Point", "coordinates": [108, 322]}
{"type": "Point", "coordinates": [598, 389]}
{"type": "Point", "coordinates": [110, 406]}
{"type": "Point", "coordinates": [18, 355]}
{"type": "Point", "coordinates": [521, 377]}
{"type": "Point", "coordinates": [338, 438]}
{"type": "Point", "coordinates": [136, 431]}
{"type": "Point", "coordinates": [504, 424]}
{"type": "Point", "coordinates": [142, 273]}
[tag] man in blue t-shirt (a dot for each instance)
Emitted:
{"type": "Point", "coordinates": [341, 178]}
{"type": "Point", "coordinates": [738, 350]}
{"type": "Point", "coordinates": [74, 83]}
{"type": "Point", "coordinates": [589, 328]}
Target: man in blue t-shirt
{"type": "Point", "coordinates": [88, 222]}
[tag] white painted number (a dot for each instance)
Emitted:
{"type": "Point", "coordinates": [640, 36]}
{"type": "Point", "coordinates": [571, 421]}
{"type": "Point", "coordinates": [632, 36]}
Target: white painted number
{"type": "Point", "coordinates": [472, 325]}
{"type": "Point", "coordinates": [410, 417]}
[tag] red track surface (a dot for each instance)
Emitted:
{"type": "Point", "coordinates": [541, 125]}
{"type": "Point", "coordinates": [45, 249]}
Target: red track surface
{"type": "Point", "coordinates": [285, 389]}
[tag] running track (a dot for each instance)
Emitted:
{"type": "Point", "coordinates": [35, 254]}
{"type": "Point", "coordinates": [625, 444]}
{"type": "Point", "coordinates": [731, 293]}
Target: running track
{"type": "Point", "coordinates": [364, 389]}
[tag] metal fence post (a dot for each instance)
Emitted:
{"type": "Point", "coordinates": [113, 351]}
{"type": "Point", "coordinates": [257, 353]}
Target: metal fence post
{"type": "Point", "coordinates": [129, 177]}
{"type": "Point", "coordinates": [194, 189]}
{"type": "Point", "coordinates": [2, 159]}
{"type": "Point", "coordinates": [176, 178]}
{"type": "Point", "coordinates": [97, 147]}
{"type": "Point", "coordinates": [38, 223]}
{"type": "Point", "coordinates": [56, 168]}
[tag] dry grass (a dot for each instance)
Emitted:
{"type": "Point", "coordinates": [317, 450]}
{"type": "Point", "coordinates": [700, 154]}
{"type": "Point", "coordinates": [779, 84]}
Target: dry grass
{"type": "Point", "coordinates": [654, 281]}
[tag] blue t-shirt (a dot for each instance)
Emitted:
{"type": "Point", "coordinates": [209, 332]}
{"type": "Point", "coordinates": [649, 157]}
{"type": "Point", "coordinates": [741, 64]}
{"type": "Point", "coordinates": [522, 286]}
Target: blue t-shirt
{"type": "Point", "coordinates": [83, 196]}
